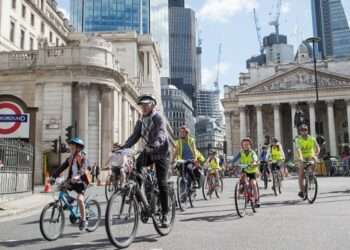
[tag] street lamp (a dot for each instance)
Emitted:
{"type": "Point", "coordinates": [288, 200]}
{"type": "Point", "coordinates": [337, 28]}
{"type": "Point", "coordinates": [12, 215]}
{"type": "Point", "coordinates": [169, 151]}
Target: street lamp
{"type": "Point", "coordinates": [314, 41]}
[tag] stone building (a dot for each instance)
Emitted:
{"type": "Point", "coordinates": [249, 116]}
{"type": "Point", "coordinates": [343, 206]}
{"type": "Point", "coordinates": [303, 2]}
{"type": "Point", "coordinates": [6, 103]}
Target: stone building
{"type": "Point", "coordinates": [26, 24]}
{"type": "Point", "coordinates": [80, 83]}
{"type": "Point", "coordinates": [266, 98]}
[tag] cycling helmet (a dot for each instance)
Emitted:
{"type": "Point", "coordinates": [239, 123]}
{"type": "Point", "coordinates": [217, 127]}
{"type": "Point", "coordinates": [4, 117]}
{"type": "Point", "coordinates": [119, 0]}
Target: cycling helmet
{"type": "Point", "coordinates": [145, 99]}
{"type": "Point", "coordinates": [184, 127]}
{"type": "Point", "coordinates": [275, 140]}
{"type": "Point", "coordinates": [303, 127]}
{"type": "Point", "coordinates": [248, 140]}
{"type": "Point", "coordinates": [77, 141]}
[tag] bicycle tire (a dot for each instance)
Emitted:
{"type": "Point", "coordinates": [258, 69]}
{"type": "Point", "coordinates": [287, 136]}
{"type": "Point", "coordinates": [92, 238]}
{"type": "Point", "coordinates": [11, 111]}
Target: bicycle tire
{"type": "Point", "coordinates": [204, 188]}
{"type": "Point", "coordinates": [221, 184]}
{"type": "Point", "coordinates": [60, 217]}
{"type": "Point", "coordinates": [313, 179]}
{"type": "Point", "coordinates": [182, 195]}
{"type": "Point", "coordinates": [266, 180]}
{"type": "Point", "coordinates": [172, 208]}
{"type": "Point", "coordinates": [192, 195]}
{"type": "Point", "coordinates": [96, 222]}
{"type": "Point", "coordinates": [306, 186]}
{"type": "Point", "coordinates": [252, 204]}
{"type": "Point", "coordinates": [280, 183]}
{"type": "Point", "coordinates": [240, 213]}
{"type": "Point", "coordinates": [109, 217]}
{"type": "Point", "coordinates": [216, 189]}
{"type": "Point", "coordinates": [110, 188]}
{"type": "Point", "coordinates": [274, 183]}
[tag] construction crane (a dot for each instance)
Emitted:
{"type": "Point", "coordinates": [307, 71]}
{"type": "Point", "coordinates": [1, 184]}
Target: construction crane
{"type": "Point", "coordinates": [276, 20]}
{"type": "Point", "coordinates": [258, 32]}
{"type": "Point", "coordinates": [216, 83]}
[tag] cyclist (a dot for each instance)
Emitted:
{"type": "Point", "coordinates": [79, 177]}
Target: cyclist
{"type": "Point", "coordinates": [118, 164]}
{"type": "Point", "coordinates": [307, 149]}
{"type": "Point", "coordinates": [155, 145]}
{"type": "Point", "coordinates": [78, 176]}
{"type": "Point", "coordinates": [248, 157]}
{"type": "Point", "coordinates": [213, 164]}
{"type": "Point", "coordinates": [264, 162]}
{"type": "Point", "coordinates": [185, 149]}
{"type": "Point", "coordinates": [276, 156]}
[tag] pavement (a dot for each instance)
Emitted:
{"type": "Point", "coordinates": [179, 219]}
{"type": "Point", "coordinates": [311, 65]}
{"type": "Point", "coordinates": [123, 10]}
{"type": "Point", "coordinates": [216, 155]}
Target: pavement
{"type": "Point", "coordinates": [282, 223]}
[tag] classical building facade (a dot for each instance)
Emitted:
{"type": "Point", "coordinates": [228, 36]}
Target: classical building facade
{"type": "Point", "coordinates": [79, 84]}
{"type": "Point", "coordinates": [267, 97]}
{"type": "Point", "coordinates": [28, 24]}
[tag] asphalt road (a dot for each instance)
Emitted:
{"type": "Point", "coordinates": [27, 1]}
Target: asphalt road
{"type": "Point", "coordinates": [282, 222]}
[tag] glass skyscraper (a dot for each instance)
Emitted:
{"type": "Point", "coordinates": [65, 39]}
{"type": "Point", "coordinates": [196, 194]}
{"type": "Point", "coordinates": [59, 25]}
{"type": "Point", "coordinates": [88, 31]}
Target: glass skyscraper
{"type": "Point", "coordinates": [110, 15]}
{"type": "Point", "coordinates": [331, 25]}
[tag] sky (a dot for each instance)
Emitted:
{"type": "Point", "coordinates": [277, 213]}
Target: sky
{"type": "Point", "coordinates": [231, 23]}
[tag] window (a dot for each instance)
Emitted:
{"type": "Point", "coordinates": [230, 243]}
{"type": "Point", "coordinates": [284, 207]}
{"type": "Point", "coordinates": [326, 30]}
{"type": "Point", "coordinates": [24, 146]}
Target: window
{"type": "Point", "coordinates": [50, 37]}
{"type": "Point", "coordinates": [22, 39]}
{"type": "Point", "coordinates": [12, 32]}
{"type": "Point", "coordinates": [23, 11]}
{"type": "Point", "coordinates": [57, 41]}
{"type": "Point", "coordinates": [42, 27]}
{"type": "Point", "coordinates": [31, 43]}
{"type": "Point", "coordinates": [32, 19]}
{"type": "Point", "coordinates": [14, 4]}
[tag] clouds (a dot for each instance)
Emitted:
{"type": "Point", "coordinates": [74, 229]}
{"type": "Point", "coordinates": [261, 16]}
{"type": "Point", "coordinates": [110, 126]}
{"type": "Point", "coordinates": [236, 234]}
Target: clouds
{"type": "Point", "coordinates": [285, 8]}
{"type": "Point", "coordinates": [223, 10]}
{"type": "Point", "coordinates": [209, 74]}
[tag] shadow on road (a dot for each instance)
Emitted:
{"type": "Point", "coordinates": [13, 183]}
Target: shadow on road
{"type": "Point", "coordinates": [217, 218]}
{"type": "Point", "coordinates": [206, 212]}
{"type": "Point", "coordinates": [31, 242]}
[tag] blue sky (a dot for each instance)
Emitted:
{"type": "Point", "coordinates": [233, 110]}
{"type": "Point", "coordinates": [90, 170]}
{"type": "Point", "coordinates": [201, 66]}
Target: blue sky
{"type": "Point", "coordinates": [231, 23]}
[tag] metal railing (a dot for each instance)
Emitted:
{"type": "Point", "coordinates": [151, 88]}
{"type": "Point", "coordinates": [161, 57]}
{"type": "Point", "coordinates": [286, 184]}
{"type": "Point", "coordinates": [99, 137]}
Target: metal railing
{"type": "Point", "coordinates": [16, 167]}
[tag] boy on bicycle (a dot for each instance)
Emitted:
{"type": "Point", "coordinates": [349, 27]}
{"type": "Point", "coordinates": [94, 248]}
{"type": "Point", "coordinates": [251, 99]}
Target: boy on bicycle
{"type": "Point", "coordinates": [249, 158]}
{"type": "Point", "coordinates": [307, 149]}
{"type": "Point", "coordinates": [78, 177]}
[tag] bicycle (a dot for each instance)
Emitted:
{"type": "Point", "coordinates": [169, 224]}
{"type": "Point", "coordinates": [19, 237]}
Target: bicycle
{"type": "Point", "coordinates": [52, 219]}
{"type": "Point", "coordinates": [212, 184]}
{"type": "Point", "coordinates": [265, 173]}
{"type": "Point", "coordinates": [185, 189]}
{"type": "Point", "coordinates": [276, 178]}
{"type": "Point", "coordinates": [244, 194]}
{"type": "Point", "coordinates": [128, 204]}
{"type": "Point", "coordinates": [310, 182]}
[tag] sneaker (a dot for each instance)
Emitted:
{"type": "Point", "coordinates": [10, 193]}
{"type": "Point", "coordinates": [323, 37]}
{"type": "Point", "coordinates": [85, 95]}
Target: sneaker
{"type": "Point", "coordinates": [301, 195]}
{"type": "Point", "coordinates": [83, 225]}
{"type": "Point", "coordinates": [165, 221]}
{"type": "Point", "coordinates": [257, 204]}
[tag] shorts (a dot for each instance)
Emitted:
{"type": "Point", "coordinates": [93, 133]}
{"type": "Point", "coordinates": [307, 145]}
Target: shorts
{"type": "Point", "coordinates": [77, 187]}
{"type": "Point", "coordinates": [251, 176]}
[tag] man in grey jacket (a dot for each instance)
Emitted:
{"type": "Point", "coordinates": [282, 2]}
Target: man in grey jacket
{"type": "Point", "coordinates": [152, 132]}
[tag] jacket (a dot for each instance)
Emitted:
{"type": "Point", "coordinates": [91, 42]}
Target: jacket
{"type": "Point", "coordinates": [191, 142]}
{"type": "Point", "coordinates": [157, 137]}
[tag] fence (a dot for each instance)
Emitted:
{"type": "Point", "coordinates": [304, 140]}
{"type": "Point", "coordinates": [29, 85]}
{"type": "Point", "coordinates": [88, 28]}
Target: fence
{"type": "Point", "coordinates": [16, 167]}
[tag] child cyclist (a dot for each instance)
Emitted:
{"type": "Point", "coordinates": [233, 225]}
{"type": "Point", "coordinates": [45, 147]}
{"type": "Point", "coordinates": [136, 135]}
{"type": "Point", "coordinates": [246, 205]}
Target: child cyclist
{"type": "Point", "coordinates": [213, 163]}
{"type": "Point", "coordinates": [248, 157]}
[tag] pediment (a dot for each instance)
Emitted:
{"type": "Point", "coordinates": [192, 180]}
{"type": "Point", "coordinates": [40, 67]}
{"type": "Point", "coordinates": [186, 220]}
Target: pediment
{"type": "Point", "coordinates": [298, 78]}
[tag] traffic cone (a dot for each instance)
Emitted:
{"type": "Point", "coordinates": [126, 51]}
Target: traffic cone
{"type": "Point", "coordinates": [47, 187]}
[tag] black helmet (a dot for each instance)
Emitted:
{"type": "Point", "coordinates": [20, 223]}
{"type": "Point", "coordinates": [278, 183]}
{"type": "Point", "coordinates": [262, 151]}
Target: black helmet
{"type": "Point", "coordinates": [145, 99]}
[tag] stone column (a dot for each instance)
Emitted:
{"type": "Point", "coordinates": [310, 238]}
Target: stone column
{"type": "Point", "coordinates": [260, 126]}
{"type": "Point", "coordinates": [312, 115]}
{"type": "Point", "coordinates": [277, 121]}
{"type": "Point", "coordinates": [125, 119]}
{"type": "Point", "coordinates": [228, 126]}
{"type": "Point", "coordinates": [83, 119]}
{"type": "Point", "coordinates": [120, 117]}
{"type": "Point", "coordinates": [243, 122]}
{"type": "Point", "coordinates": [293, 110]}
{"type": "Point", "coordinates": [331, 128]}
{"type": "Point", "coordinates": [107, 121]}
{"type": "Point", "coordinates": [348, 116]}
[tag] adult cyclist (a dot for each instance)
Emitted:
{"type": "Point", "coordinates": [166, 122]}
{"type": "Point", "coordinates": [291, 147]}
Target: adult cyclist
{"type": "Point", "coordinates": [307, 149]}
{"type": "Point", "coordinates": [78, 178]}
{"type": "Point", "coordinates": [185, 149]}
{"type": "Point", "coordinates": [248, 157]}
{"type": "Point", "coordinates": [150, 129]}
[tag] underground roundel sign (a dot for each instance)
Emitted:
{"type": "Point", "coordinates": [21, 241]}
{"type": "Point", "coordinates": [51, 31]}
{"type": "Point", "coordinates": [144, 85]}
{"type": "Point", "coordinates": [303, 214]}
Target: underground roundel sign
{"type": "Point", "coordinates": [14, 123]}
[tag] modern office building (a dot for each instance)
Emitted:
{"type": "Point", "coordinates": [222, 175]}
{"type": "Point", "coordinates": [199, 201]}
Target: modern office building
{"type": "Point", "coordinates": [27, 25]}
{"type": "Point", "coordinates": [277, 50]}
{"type": "Point", "coordinates": [331, 25]}
{"type": "Point", "coordinates": [177, 3]}
{"type": "Point", "coordinates": [208, 104]}
{"type": "Point", "coordinates": [121, 15]}
{"type": "Point", "coordinates": [182, 43]}
{"type": "Point", "coordinates": [177, 107]}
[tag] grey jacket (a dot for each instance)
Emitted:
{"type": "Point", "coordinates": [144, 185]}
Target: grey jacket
{"type": "Point", "coordinates": [157, 137]}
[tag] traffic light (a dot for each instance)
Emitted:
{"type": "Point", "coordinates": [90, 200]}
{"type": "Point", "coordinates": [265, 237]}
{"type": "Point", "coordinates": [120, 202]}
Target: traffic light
{"type": "Point", "coordinates": [69, 133]}
{"type": "Point", "coordinates": [64, 148]}
{"type": "Point", "coordinates": [54, 146]}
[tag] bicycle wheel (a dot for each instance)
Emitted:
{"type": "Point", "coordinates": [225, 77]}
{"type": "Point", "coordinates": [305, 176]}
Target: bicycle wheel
{"type": "Point", "coordinates": [93, 215]}
{"type": "Point", "coordinates": [266, 180]}
{"type": "Point", "coordinates": [110, 188]}
{"type": "Point", "coordinates": [306, 186]}
{"type": "Point", "coordinates": [192, 195]}
{"type": "Point", "coordinates": [52, 221]}
{"type": "Point", "coordinates": [252, 204]}
{"type": "Point", "coordinates": [157, 216]}
{"type": "Point", "coordinates": [182, 193]}
{"type": "Point", "coordinates": [217, 187]}
{"type": "Point", "coordinates": [240, 200]}
{"type": "Point", "coordinates": [122, 218]}
{"type": "Point", "coordinates": [312, 189]}
{"type": "Point", "coordinates": [274, 183]}
{"type": "Point", "coordinates": [205, 188]}
{"type": "Point", "coordinates": [280, 177]}
{"type": "Point", "coordinates": [221, 181]}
